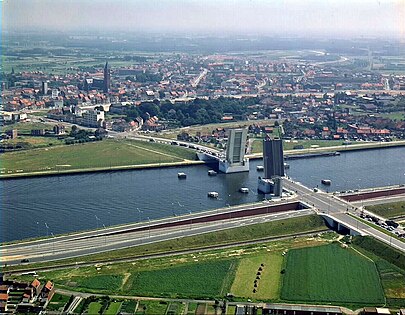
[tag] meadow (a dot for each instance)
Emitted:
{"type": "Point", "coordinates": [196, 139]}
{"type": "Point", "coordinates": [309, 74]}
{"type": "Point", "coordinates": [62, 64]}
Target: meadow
{"type": "Point", "coordinates": [205, 279]}
{"type": "Point", "coordinates": [330, 274]}
{"type": "Point", "coordinates": [100, 154]}
{"type": "Point", "coordinates": [268, 287]}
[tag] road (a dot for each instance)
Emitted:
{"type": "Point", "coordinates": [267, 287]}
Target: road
{"type": "Point", "coordinates": [340, 210]}
{"type": "Point", "coordinates": [91, 242]}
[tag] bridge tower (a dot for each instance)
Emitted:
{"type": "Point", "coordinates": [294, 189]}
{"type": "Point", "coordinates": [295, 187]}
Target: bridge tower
{"type": "Point", "coordinates": [273, 159]}
{"type": "Point", "coordinates": [235, 160]}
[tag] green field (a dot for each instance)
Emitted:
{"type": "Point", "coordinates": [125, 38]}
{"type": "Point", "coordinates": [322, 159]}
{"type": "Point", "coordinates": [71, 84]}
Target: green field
{"type": "Point", "coordinates": [389, 210]}
{"type": "Point", "coordinates": [151, 307]}
{"type": "Point", "coordinates": [331, 274]}
{"type": "Point", "coordinates": [128, 306]}
{"type": "Point", "coordinates": [106, 283]}
{"type": "Point", "coordinates": [269, 283]}
{"type": "Point", "coordinates": [58, 302]}
{"type": "Point", "coordinates": [113, 308]}
{"type": "Point", "coordinates": [94, 308]}
{"type": "Point", "coordinates": [206, 279]}
{"type": "Point", "coordinates": [100, 154]}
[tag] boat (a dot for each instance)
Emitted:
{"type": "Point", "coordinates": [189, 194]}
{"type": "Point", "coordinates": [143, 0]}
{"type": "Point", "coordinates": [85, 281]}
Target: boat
{"type": "Point", "coordinates": [260, 168]}
{"type": "Point", "coordinates": [326, 181]}
{"type": "Point", "coordinates": [182, 175]}
{"type": "Point", "coordinates": [244, 190]}
{"type": "Point", "coordinates": [212, 173]}
{"type": "Point", "coordinates": [286, 166]}
{"type": "Point", "coordinates": [213, 194]}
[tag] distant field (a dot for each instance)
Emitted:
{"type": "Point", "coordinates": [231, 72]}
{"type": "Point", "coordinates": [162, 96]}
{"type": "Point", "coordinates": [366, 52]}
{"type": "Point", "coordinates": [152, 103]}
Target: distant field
{"type": "Point", "coordinates": [94, 308]}
{"type": "Point", "coordinates": [113, 308]}
{"type": "Point", "coordinates": [100, 282]}
{"type": "Point", "coordinates": [330, 274]}
{"type": "Point", "coordinates": [269, 283]}
{"type": "Point", "coordinates": [389, 210]}
{"type": "Point", "coordinates": [26, 127]}
{"type": "Point", "coordinates": [34, 142]}
{"type": "Point", "coordinates": [98, 154]}
{"type": "Point", "coordinates": [205, 279]}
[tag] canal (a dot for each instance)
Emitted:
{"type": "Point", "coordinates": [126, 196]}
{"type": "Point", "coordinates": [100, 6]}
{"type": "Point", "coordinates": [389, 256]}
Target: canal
{"type": "Point", "coordinates": [33, 207]}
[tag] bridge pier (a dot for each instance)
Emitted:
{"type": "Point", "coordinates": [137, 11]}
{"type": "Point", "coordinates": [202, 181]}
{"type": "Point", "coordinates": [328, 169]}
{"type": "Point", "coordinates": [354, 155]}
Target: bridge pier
{"type": "Point", "coordinates": [339, 227]}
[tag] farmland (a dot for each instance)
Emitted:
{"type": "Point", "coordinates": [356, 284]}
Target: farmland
{"type": "Point", "coordinates": [101, 154]}
{"type": "Point", "coordinates": [207, 279]}
{"type": "Point", "coordinates": [269, 283]}
{"type": "Point", "coordinates": [330, 274]}
{"type": "Point", "coordinates": [314, 270]}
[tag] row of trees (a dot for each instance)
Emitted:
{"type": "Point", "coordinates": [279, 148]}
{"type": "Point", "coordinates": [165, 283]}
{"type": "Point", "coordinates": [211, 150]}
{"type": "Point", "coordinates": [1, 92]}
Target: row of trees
{"type": "Point", "coordinates": [199, 111]}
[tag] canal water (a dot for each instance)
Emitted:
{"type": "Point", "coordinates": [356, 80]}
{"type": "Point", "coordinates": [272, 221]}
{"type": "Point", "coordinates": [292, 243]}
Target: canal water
{"type": "Point", "coordinates": [41, 206]}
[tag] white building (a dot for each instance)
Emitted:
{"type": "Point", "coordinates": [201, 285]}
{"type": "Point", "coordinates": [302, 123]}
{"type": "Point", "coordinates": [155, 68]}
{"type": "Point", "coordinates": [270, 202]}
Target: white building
{"type": "Point", "coordinates": [93, 118]}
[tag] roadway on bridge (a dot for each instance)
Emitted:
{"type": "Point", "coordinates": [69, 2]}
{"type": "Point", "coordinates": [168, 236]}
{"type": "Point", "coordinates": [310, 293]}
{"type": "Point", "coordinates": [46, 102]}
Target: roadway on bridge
{"type": "Point", "coordinates": [340, 210]}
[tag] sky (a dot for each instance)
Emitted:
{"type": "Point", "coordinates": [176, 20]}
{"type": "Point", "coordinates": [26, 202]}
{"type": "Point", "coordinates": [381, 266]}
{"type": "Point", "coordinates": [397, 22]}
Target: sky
{"type": "Point", "coordinates": [306, 18]}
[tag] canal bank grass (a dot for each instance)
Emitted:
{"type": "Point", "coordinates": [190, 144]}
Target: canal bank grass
{"type": "Point", "coordinates": [390, 265]}
{"type": "Point", "coordinates": [99, 154]}
{"type": "Point", "coordinates": [257, 146]}
{"type": "Point", "coordinates": [268, 286]}
{"type": "Point", "coordinates": [331, 274]}
{"type": "Point", "coordinates": [279, 228]}
{"type": "Point", "coordinates": [197, 275]}
{"type": "Point", "coordinates": [389, 210]}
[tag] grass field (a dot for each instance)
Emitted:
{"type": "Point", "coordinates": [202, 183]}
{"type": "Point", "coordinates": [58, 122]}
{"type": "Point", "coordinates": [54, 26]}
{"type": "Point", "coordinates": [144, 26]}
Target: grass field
{"type": "Point", "coordinates": [128, 306]}
{"type": "Point", "coordinates": [113, 308]}
{"type": "Point", "coordinates": [151, 307]}
{"type": "Point", "coordinates": [26, 127]}
{"type": "Point", "coordinates": [390, 265]}
{"type": "Point", "coordinates": [94, 308]}
{"type": "Point", "coordinates": [58, 302]}
{"type": "Point", "coordinates": [206, 279]}
{"type": "Point", "coordinates": [331, 274]}
{"type": "Point", "coordinates": [100, 282]}
{"type": "Point", "coordinates": [34, 142]}
{"type": "Point", "coordinates": [389, 210]}
{"type": "Point", "coordinates": [90, 155]}
{"type": "Point", "coordinates": [269, 283]}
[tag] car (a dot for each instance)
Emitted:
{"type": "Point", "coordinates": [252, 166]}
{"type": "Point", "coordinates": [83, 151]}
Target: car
{"type": "Point", "coordinates": [25, 260]}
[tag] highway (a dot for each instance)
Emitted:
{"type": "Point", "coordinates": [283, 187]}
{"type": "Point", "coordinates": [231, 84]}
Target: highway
{"type": "Point", "coordinates": [339, 210]}
{"type": "Point", "coordinates": [97, 241]}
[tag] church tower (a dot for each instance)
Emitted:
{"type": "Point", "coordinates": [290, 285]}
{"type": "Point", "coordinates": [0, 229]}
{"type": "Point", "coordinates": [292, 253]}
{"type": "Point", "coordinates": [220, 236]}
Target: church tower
{"type": "Point", "coordinates": [106, 85]}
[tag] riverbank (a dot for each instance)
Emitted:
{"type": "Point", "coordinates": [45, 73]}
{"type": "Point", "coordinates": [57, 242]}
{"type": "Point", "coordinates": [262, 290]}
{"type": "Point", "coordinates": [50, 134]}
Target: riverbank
{"type": "Point", "coordinates": [61, 171]}
{"type": "Point", "coordinates": [338, 148]}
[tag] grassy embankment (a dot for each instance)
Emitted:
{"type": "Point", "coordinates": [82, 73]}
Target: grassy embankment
{"type": "Point", "coordinates": [389, 210]}
{"type": "Point", "coordinates": [300, 276]}
{"type": "Point", "coordinates": [311, 223]}
{"type": "Point", "coordinates": [390, 265]}
{"type": "Point", "coordinates": [92, 155]}
{"type": "Point", "coordinates": [314, 270]}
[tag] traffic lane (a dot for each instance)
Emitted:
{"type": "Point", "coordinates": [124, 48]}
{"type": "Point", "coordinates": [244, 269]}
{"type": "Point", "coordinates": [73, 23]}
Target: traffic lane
{"type": "Point", "coordinates": [355, 223]}
{"type": "Point", "coordinates": [102, 243]}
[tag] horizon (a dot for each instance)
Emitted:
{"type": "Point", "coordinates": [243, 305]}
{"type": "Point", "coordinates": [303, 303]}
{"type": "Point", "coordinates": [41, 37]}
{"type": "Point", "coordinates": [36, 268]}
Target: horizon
{"type": "Point", "coordinates": [289, 18]}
